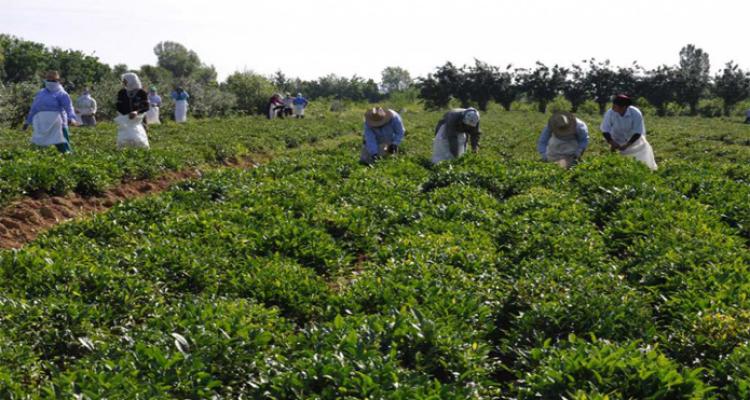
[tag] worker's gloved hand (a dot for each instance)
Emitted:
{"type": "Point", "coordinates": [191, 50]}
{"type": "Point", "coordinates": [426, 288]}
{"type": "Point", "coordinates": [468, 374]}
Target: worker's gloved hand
{"type": "Point", "coordinates": [393, 148]}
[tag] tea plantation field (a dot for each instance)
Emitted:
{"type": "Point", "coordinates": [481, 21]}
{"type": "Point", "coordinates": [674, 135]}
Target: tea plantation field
{"type": "Point", "coordinates": [494, 276]}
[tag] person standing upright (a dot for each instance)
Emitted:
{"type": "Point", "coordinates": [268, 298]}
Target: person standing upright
{"type": "Point", "coordinates": [49, 115]}
{"type": "Point", "coordinates": [300, 103]}
{"type": "Point", "coordinates": [86, 108]}
{"type": "Point", "coordinates": [180, 97]}
{"type": "Point", "coordinates": [154, 104]}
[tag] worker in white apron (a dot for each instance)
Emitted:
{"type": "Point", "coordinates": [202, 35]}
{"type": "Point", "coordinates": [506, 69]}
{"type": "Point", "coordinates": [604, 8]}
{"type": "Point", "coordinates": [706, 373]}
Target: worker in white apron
{"type": "Point", "coordinates": [623, 128]}
{"type": "Point", "coordinates": [454, 132]}
{"type": "Point", "coordinates": [564, 140]}
{"type": "Point", "coordinates": [49, 115]}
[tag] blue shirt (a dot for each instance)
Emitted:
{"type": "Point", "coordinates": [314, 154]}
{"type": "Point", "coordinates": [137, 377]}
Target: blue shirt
{"type": "Point", "coordinates": [582, 135]}
{"type": "Point", "coordinates": [154, 99]}
{"type": "Point", "coordinates": [393, 130]}
{"type": "Point", "coordinates": [299, 101]}
{"type": "Point", "coordinates": [58, 101]}
{"type": "Point", "coordinates": [180, 96]}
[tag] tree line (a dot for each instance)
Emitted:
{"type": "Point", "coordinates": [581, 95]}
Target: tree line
{"type": "Point", "coordinates": [22, 65]}
{"type": "Point", "coordinates": [686, 83]}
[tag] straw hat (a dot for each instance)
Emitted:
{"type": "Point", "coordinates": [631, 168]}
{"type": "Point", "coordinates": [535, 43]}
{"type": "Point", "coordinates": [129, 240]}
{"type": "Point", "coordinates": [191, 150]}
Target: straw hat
{"type": "Point", "coordinates": [377, 117]}
{"type": "Point", "coordinates": [562, 124]}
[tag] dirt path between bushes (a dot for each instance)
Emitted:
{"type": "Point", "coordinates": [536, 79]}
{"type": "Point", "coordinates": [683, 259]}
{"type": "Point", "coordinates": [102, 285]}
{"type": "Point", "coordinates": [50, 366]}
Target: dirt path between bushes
{"type": "Point", "coordinates": [24, 219]}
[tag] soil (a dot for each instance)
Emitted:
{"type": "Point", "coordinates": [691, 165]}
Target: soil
{"type": "Point", "coordinates": [23, 220]}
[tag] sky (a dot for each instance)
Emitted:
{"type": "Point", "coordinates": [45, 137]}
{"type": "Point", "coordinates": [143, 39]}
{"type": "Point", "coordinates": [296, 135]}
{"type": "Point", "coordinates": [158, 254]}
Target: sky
{"type": "Point", "coordinates": [309, 39]}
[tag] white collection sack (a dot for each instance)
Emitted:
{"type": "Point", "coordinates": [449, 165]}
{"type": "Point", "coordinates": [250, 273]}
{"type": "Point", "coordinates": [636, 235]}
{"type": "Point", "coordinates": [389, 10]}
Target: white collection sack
{"type": "Point", "coordinates": [643, 152]}
{"type": "Point", "coordinates": [152, 116]}
{"type": "Point", "coordinates": [441, 148]}
{"type": "Point", "coordinates": [131, 133]}
{"type": "Point", "coordinates": [180, 110]}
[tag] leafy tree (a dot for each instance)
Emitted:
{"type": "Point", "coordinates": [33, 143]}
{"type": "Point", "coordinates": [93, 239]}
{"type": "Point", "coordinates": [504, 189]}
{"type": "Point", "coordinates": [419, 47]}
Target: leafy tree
{"type": "Point", "coordinates": [77, 69]}
{"type": "Point", "coordinates": [626, 80]}
{"type": "Point", "coordinates": [177, 59]}
{"type": "Point", "coordinates": [394, 79]}
{"type": "Point", "coordinates": [482, 83]}
{"type": "Point", "coordinates": [119, 69]}
{"type": "Point", "coordinates": [732, 85]}
{"type": "Point", "coordinates": [693, 75]}
{"type": "Point", "coordinates": [601, 81]}
{"type": "Point", "coordinates": [575, 88]}
{"type": "Point", "coordinates": [543, 84]}
{"type": "Point", "coordinates": [604, 82]}
{"type": "Point", "coordinates": [659, 87]}
{"type": "Point", "coordinates": [439, 88]}
{"type": "Point", "coordinates": [23, 60]}
{"type": "Point", "coordinates": [506, 90]}
{"type": "Point", "coordinates": [205, 74]}
{"type": "Point", "coordinates": [156, 75]}
{"type": "Point", "coordinates": [251, 90]}
{"type": "Point", "coordinates": [283, 83]}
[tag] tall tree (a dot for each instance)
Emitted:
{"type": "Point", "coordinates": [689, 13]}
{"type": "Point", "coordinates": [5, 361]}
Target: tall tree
{"type": "Point", "coordinates": [575, 88]}
{"type": "Point", "coordinates": [543, 84]}
{"type": "Point", "coordinates": [282, 83]}
{"type": "Point", "coordinates": [439, 88]}
{"type": "Point", "coordinates": [659, 87]}
{"type": "Point", "coordinates": [601, 80]}
{"type": "Point", "coordinates": [506, 89]}
{"type": "Point", "coordinates": [76, 68]}
{"type": "Point", "coordinates": [177, 59]}
{"type": "Point", "coordinates": [693, 75]}
{"type": "Point", "coordinates": [395, 79]}
{"type": "Point", "coordinates": [24, 61]}
{"type": "Point", "coordinates": [252, 90]}
{"type": "Point", "coordinates": [732, 85]}
{"type": "Point", "coordinates": [482, 81]}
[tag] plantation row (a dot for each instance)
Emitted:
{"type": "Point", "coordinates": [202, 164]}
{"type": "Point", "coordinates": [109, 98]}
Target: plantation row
{"type": "Point", "coordinates": [316, 277]}
{"type": "Point", "coordinates": [96, 165]}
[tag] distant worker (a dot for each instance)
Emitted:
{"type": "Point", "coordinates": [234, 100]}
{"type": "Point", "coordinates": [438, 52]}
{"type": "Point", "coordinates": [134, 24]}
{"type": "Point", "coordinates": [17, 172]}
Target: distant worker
{"type": "Point", "coordinates": [288, 105]}
{"type": "Point", "coordinates": [132, 104]}
{"type": "Point", "coordinates": [563, 140]}
{"type": "Point", "coordinates": [154, 105]}
{"type": "Point", "coordinates": [300, 103]}
{"type": "Point", "coordinates": [49, 115]}
{"type": "Point", "coordinates": [180, 97]}
{"type": "Point", "coordinates": [747, 116]}
{"type": "Point", "coordinates": [86, 108]}
{"type": "Point", "coordinates": [275, 107]}
{"type": "Point", "coordinates": [383, 133]}
{"type": "Point", "coordinates": [132, 100]}
{"type": "Point", "coordinates": [453, 132]}
{"type": "Point", "coordinates": [623, 128]}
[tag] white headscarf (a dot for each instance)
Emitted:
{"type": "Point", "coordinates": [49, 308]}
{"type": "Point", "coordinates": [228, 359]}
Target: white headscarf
{"type": "Point", "coordinates": [133, 83]}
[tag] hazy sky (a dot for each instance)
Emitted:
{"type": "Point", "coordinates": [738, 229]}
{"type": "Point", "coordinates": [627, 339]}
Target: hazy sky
{"type": "Point", "coordinates": [315, 37]}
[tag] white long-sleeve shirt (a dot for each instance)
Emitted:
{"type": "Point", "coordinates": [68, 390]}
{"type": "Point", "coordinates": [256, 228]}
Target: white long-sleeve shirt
{"type": "Point", "coordinates": [623, 127]}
